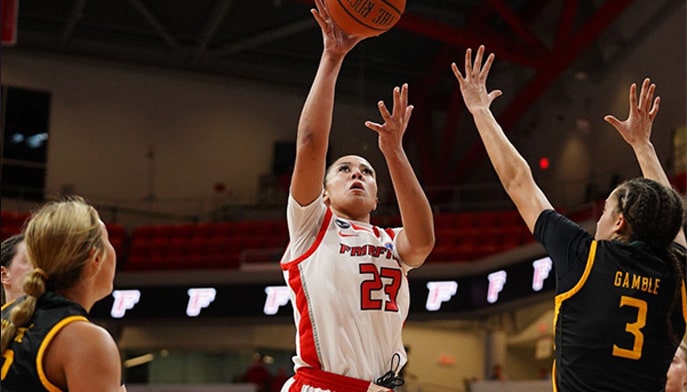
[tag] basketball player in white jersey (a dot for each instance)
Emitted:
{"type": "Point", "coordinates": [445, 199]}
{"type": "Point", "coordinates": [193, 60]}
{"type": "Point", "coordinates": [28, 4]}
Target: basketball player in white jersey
{"type": "Point", "coordinates": [348, 282]}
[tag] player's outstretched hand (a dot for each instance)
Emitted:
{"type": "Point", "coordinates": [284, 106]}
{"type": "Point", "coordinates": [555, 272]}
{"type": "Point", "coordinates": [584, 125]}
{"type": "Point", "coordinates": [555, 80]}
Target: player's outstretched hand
{"type": "Point", "coordinates": [473, 85]}
{"type": "Point", "coordinates": [636, 129]}
{"type": "Point", "coordinates": [395, 123]}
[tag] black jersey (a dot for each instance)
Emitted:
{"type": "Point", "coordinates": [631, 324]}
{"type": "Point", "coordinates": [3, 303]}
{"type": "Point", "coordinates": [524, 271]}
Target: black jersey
{"type": "Point", "coordinates": [612, 307]}
{"type": "Point", "coordinates": [22, 362]}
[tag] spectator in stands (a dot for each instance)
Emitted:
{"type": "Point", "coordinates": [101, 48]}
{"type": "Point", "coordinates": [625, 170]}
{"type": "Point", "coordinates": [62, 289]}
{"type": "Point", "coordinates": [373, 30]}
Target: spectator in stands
{"type": "Point", "coordinates": [347, 278]}
{"type": "Point", "coordinates": [258, 374]}
{"type": "Point", "coordinates": [677, 372]}
{"type": "Point", "coordinates": [74, 266]}
{"type": "Point", "coordinates": [14, 268]}
{"type": "Point", "coordinates": [497, 373]}
{"type": "Point", "coordinates": [612, 333]}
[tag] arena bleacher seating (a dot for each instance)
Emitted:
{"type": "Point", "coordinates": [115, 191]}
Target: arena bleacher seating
{"type": "Point", "coordinates": [12, 222]}
{"type": "Point", "coordinates": [464, 236]}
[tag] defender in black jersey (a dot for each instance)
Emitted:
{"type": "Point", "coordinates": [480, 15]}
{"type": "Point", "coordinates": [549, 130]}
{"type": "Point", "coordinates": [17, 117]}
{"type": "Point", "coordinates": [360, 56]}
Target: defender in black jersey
{"type": "Point", "coordinates": [24, 359]}
{"type": "Point", "coordinates": [620, 305]}
{"type": "Point", "coordinates": [48, 343]}
{"type": "Point", "coordinates": [613, 311]}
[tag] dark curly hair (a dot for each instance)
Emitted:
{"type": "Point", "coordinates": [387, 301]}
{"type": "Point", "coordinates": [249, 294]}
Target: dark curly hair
{"type": "Point", "coordinates": [655, 214]}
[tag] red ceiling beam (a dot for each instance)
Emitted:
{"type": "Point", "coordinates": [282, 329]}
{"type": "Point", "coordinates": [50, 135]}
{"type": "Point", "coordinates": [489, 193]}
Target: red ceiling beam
{"type": "Point", "coordinates": [449, 132]}
{"type": "Point", "coordinates": [560, 59]}
{"type": "Point", "coordinates": [518, 26]}
{"type": "Point", "coordinates": [420, 125]}
{"type": "Point", "coordinates": [461, 38]}
{"type": "Point", "coordinates": [566, 21]}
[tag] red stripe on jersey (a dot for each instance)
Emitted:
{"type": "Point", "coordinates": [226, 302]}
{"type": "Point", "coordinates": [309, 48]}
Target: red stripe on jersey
{"type": "Point", "coordinates": [323, 229]}
{"type": "Point", "coordinates": [361, 228]}
{"type": "Point", "coordinates": [390, 232]}
{"type": "Point", "coordinates": [306, 339]}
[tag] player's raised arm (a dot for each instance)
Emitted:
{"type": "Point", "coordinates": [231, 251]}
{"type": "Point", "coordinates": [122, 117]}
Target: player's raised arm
{"type": "Point", "coordinates": [512, 169]}
{"type": "Point", "coordinates": [416, 240]}
{"type": "Point", "coordinates": [636, 131]}
{"type": "Point", "coordinates": [315, 120]}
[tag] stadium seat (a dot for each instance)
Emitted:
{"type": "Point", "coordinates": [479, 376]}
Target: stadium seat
{"type": "Point", "coordinates": [510, 218]}
{"type": "Point", "coordinates": [12, 223]}
{"type": "Point", "coordinates": [117, 235]}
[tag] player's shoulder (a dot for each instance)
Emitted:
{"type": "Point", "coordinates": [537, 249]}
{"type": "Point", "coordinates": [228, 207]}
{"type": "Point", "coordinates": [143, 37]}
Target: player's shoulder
{"type": "Point", "coordinates": [82, 337]}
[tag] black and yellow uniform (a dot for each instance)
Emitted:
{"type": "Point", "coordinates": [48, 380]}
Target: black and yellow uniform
{"type": "Point", "coordinates": [22, 362]}
{"type": "Point", "coordinates": [613, 321]}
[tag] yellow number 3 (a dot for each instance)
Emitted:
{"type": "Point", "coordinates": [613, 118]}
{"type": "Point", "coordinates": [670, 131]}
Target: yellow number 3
{"type": "Point", "coordinates": [633, 328]}
{"type": "Point", "coordinates": [9, 358]}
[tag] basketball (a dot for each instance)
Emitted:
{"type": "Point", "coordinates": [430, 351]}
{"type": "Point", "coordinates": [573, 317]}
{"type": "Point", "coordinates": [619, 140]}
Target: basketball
{"type": "Point", "coordinates": [365, 18]}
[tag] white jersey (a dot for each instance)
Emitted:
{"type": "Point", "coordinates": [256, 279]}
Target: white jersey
{"type": "Point", "coordinates": [349, 292]}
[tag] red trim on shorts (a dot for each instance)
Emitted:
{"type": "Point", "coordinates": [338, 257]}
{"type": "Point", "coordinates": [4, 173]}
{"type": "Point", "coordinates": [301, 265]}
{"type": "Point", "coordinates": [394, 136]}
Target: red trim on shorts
{"type": "Point", "coordinates": [329, 381]}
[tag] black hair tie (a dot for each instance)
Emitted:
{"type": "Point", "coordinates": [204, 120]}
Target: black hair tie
{"type": "Point", "coordinates": [390, 379]}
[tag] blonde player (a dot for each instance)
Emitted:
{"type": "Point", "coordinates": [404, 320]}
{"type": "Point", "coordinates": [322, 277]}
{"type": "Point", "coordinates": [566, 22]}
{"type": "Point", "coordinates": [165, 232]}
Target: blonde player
{"type": "Point", "coordinates": [48, 343]}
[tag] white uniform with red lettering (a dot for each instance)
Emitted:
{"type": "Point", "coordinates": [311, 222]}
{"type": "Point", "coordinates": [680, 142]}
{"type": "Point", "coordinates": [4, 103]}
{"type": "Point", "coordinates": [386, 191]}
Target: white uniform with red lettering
{"type": "Point", "coordinates": [349, 292]}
